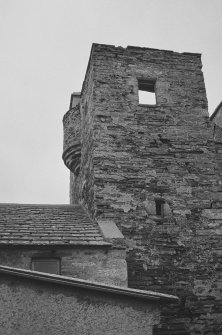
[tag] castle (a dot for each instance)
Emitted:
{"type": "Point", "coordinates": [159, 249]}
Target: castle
{"type": "Point", "coordinates": [145, 189]}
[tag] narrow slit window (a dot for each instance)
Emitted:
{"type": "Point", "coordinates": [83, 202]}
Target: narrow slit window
{"type": "Point", "coordinates": [159, 207]}
{"type": "Point", "coordinates": [146, 90]}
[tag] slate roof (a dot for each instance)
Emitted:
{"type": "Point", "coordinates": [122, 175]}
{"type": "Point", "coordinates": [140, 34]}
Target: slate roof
{"type": "Point", "coordinates": [48, 225]}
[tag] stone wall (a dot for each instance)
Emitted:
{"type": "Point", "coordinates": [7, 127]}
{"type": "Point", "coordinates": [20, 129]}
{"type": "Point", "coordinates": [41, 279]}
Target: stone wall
{"type": "Point", "coordinates": [95, 264]}
{"type": "Point", "coordinates": [32, 306]}
{"type": "Point", "coordinates": [141, 157]}
{"type": "Point", "coordinates": [81, 187]}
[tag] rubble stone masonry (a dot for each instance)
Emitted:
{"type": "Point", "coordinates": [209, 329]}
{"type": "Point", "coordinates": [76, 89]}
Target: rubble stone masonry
{"type": "Point", "coordinates": [100, 265]}
{"type": "Point", "coordinates": [153, 170]}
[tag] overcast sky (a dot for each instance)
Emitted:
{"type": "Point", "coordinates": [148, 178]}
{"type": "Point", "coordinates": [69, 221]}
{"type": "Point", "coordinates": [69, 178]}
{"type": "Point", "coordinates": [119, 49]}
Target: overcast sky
{"type": "Point", "coordinates": [45, 46]}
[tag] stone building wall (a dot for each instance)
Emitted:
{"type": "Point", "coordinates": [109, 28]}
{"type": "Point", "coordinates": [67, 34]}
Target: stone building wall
{"type": "Point", "coordinates": [216, 119]}
{"type": "Point", "coordinates": [153, 171]}
{"type": "Point", "coordinates": [82, 185]}
{"type": "Point", "coordinates": [95, 264]}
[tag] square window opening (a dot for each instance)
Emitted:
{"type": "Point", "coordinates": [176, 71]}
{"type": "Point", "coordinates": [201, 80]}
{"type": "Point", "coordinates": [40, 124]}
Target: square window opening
{"type": "Point", "coordinates": [146, 90]}
{"type": "Point", "coordinates": [47, 265]}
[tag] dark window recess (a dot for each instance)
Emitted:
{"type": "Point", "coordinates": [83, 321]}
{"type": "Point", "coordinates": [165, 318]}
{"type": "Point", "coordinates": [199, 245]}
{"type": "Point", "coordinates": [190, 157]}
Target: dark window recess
{"type": "Point", "coordinates": [48, 265]}
{"type": "Point", "coordinates": [146, 89]}
{"type": "Point", "coordinates": [160, 207]}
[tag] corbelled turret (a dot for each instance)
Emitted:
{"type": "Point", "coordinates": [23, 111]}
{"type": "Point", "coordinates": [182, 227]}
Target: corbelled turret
{"type": "Point", "coordinates": [72, 136]}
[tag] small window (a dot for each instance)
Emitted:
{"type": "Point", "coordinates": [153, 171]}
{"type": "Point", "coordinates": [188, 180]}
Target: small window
{"type": "Point", "coordinates": [160, 207]}
{"type": "Point", "coordinates": [146, 90]}
{"type": "Point", "coordinates": [48, 265]}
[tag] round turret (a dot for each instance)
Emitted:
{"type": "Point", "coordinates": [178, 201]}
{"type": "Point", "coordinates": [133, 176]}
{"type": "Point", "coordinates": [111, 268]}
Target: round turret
{"type": "Point", "coordinates": [72, 138]}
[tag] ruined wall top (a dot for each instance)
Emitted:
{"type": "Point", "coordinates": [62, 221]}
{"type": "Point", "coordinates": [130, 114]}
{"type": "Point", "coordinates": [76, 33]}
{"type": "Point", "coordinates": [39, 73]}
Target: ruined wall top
{"type": "Point", "coordinates": [148, 54]}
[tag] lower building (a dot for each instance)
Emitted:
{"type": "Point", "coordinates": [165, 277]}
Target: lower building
{"type": "Point", "coordinates": [62, 273]}
{"type": "Point", "coordinates": [62, 240]}
{"type": "Point", "coordinates": [37, 303]}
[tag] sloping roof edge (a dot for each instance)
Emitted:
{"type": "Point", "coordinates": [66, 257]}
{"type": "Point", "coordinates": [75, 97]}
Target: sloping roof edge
{"type": "Point", "coordinates": [85, 284]}
{"type": "Point", "coordinates": [215, 112]}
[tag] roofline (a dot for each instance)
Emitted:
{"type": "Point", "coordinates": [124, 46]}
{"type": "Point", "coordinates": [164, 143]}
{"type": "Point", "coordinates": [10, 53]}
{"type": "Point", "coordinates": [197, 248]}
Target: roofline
{"type": "Point", "coordinates": [95, 244]}
{"type": "Point", "coordinates": [196, 54]}
{"type": "Point", "coordinates": [216, 110]}
{"type": "Point", "coordinates": [37, 205]}
{"type": "Point", "coordinates": [89, 285]}
{"type": "Point", "coordinates": [134, 47]}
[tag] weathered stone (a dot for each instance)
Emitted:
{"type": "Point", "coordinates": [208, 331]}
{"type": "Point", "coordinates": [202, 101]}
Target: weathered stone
{"type": "Point", "coordinates": [72, 140]}
{"type": "Point", "coordinates": [97, 264]}
{"type": "Point", "coordinates": [133, 155]}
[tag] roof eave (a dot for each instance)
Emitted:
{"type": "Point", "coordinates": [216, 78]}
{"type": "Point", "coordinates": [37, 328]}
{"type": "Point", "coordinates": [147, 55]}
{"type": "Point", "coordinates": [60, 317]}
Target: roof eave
{"type": "Point", "coordinates": [85, 284]}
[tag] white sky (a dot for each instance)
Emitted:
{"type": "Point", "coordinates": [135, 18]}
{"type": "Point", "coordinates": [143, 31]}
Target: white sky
{"type": "Point", "coordinates": [45, 46]}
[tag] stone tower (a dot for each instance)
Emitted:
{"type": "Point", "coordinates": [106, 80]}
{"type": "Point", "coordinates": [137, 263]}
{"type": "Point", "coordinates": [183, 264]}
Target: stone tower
{"type": "Point", "coordinates": [152, 170]}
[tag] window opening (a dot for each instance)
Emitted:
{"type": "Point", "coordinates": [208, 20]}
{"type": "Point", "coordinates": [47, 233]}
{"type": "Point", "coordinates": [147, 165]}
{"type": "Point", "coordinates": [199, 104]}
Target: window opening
{"type": "Point", "coordinates": [48, 265]}
{"type": "Point", "coordinates": [146, 91]}
{"type": "Point", "coordinates": [159, 207]}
